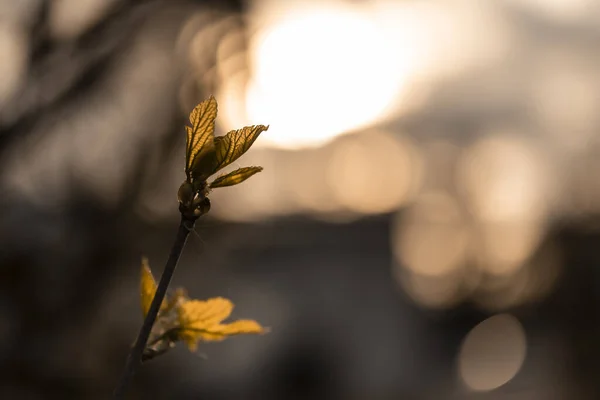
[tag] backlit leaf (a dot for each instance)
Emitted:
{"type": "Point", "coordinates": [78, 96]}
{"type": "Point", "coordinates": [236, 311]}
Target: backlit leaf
{"type": "Point", "coordinates": [230, 147]}
{"type": "Point", "coordinates": [240, 326]}
{"type": "Point", "coordinates": [147, 287]}
{"type": "Point", "coordinates": [204, 313]}
{"type": "Point", "coordinates": [235, 177]}
{"type": "Point", "coordinates": [201, 320]}
{"type": "Point", "coordinates": [200, 138]}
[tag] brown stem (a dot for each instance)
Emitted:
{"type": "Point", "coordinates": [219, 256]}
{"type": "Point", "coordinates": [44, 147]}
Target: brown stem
{"type": "Point", "coordinates": [134, 359]}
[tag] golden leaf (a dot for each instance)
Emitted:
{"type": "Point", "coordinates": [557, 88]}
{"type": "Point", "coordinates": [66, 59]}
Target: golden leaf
{"type": "Point", "coordinates": [240, 326]}
{"type": "Point", "coordinates": [200, 139]}
{"type": "Point", "coordinates": [147, 287]}
{"type": "Point", "coordinates": [208, 312]}
{"type": "Point", "coordinates": [201, 320]}
{"type": "Point", "coordinates": [235, 177]}
{"type": "Point", "coordinates": [230, 147]}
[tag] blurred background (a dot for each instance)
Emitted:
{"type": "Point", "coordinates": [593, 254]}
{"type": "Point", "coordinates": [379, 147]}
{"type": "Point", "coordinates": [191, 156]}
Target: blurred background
{"type": "Point", "coordinates": [426, 226]}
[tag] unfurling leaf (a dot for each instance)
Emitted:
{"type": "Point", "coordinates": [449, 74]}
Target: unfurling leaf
{"type": "Point", "coordinates": [235, 177]}
{"type": "Point", "coordinates": [230, 147]}
{"type": "Point", "coordinates": [205, 313]}
{"type": "Point", "coordinates": [147, 287]}
{"type": "Point", "coordinates": [201, 320]}
{"type": "Point", "coordinates": [221, 331]}
{"type": "Point", "coordinates": [200, 139]}
{"type": "Point", "coordinates": [182, 319]}
{"type": "Point", "coordinates": [207, 154]}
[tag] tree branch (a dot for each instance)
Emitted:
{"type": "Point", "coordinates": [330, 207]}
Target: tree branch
{"type": "Point", "coordinates": [134, 359]}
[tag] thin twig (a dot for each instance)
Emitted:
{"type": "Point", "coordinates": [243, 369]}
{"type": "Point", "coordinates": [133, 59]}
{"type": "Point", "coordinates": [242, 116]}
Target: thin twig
{"type": "Point", "coordinates": [134, 359]}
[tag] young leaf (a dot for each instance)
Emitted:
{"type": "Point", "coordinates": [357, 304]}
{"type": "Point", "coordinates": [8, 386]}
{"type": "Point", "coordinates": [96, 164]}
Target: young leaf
{"type": "Point", "coordinates": [201, 320]}
{"type": "Point", "coordinates": [200, 136]}
{"type": "Point", "coordinates": [230, 147]}
{"type": "Point", "coordinates": [235, 177]}
{"type": "Point", "coordinates": [204, 313]}
{"type": "Point", "coordinates": [147, 287]}
{"type": "Point", "coordinates": [221, 331]}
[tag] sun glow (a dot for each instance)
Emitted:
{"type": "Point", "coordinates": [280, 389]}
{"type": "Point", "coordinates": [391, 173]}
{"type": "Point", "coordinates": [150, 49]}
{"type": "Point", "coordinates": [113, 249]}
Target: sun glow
{"type": "Point", "coordinates": [317, 74]}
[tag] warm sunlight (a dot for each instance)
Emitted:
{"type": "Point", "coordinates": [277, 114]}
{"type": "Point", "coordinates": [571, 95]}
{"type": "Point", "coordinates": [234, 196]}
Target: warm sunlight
{"type": "Point", "coordinates": [318, 74]}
